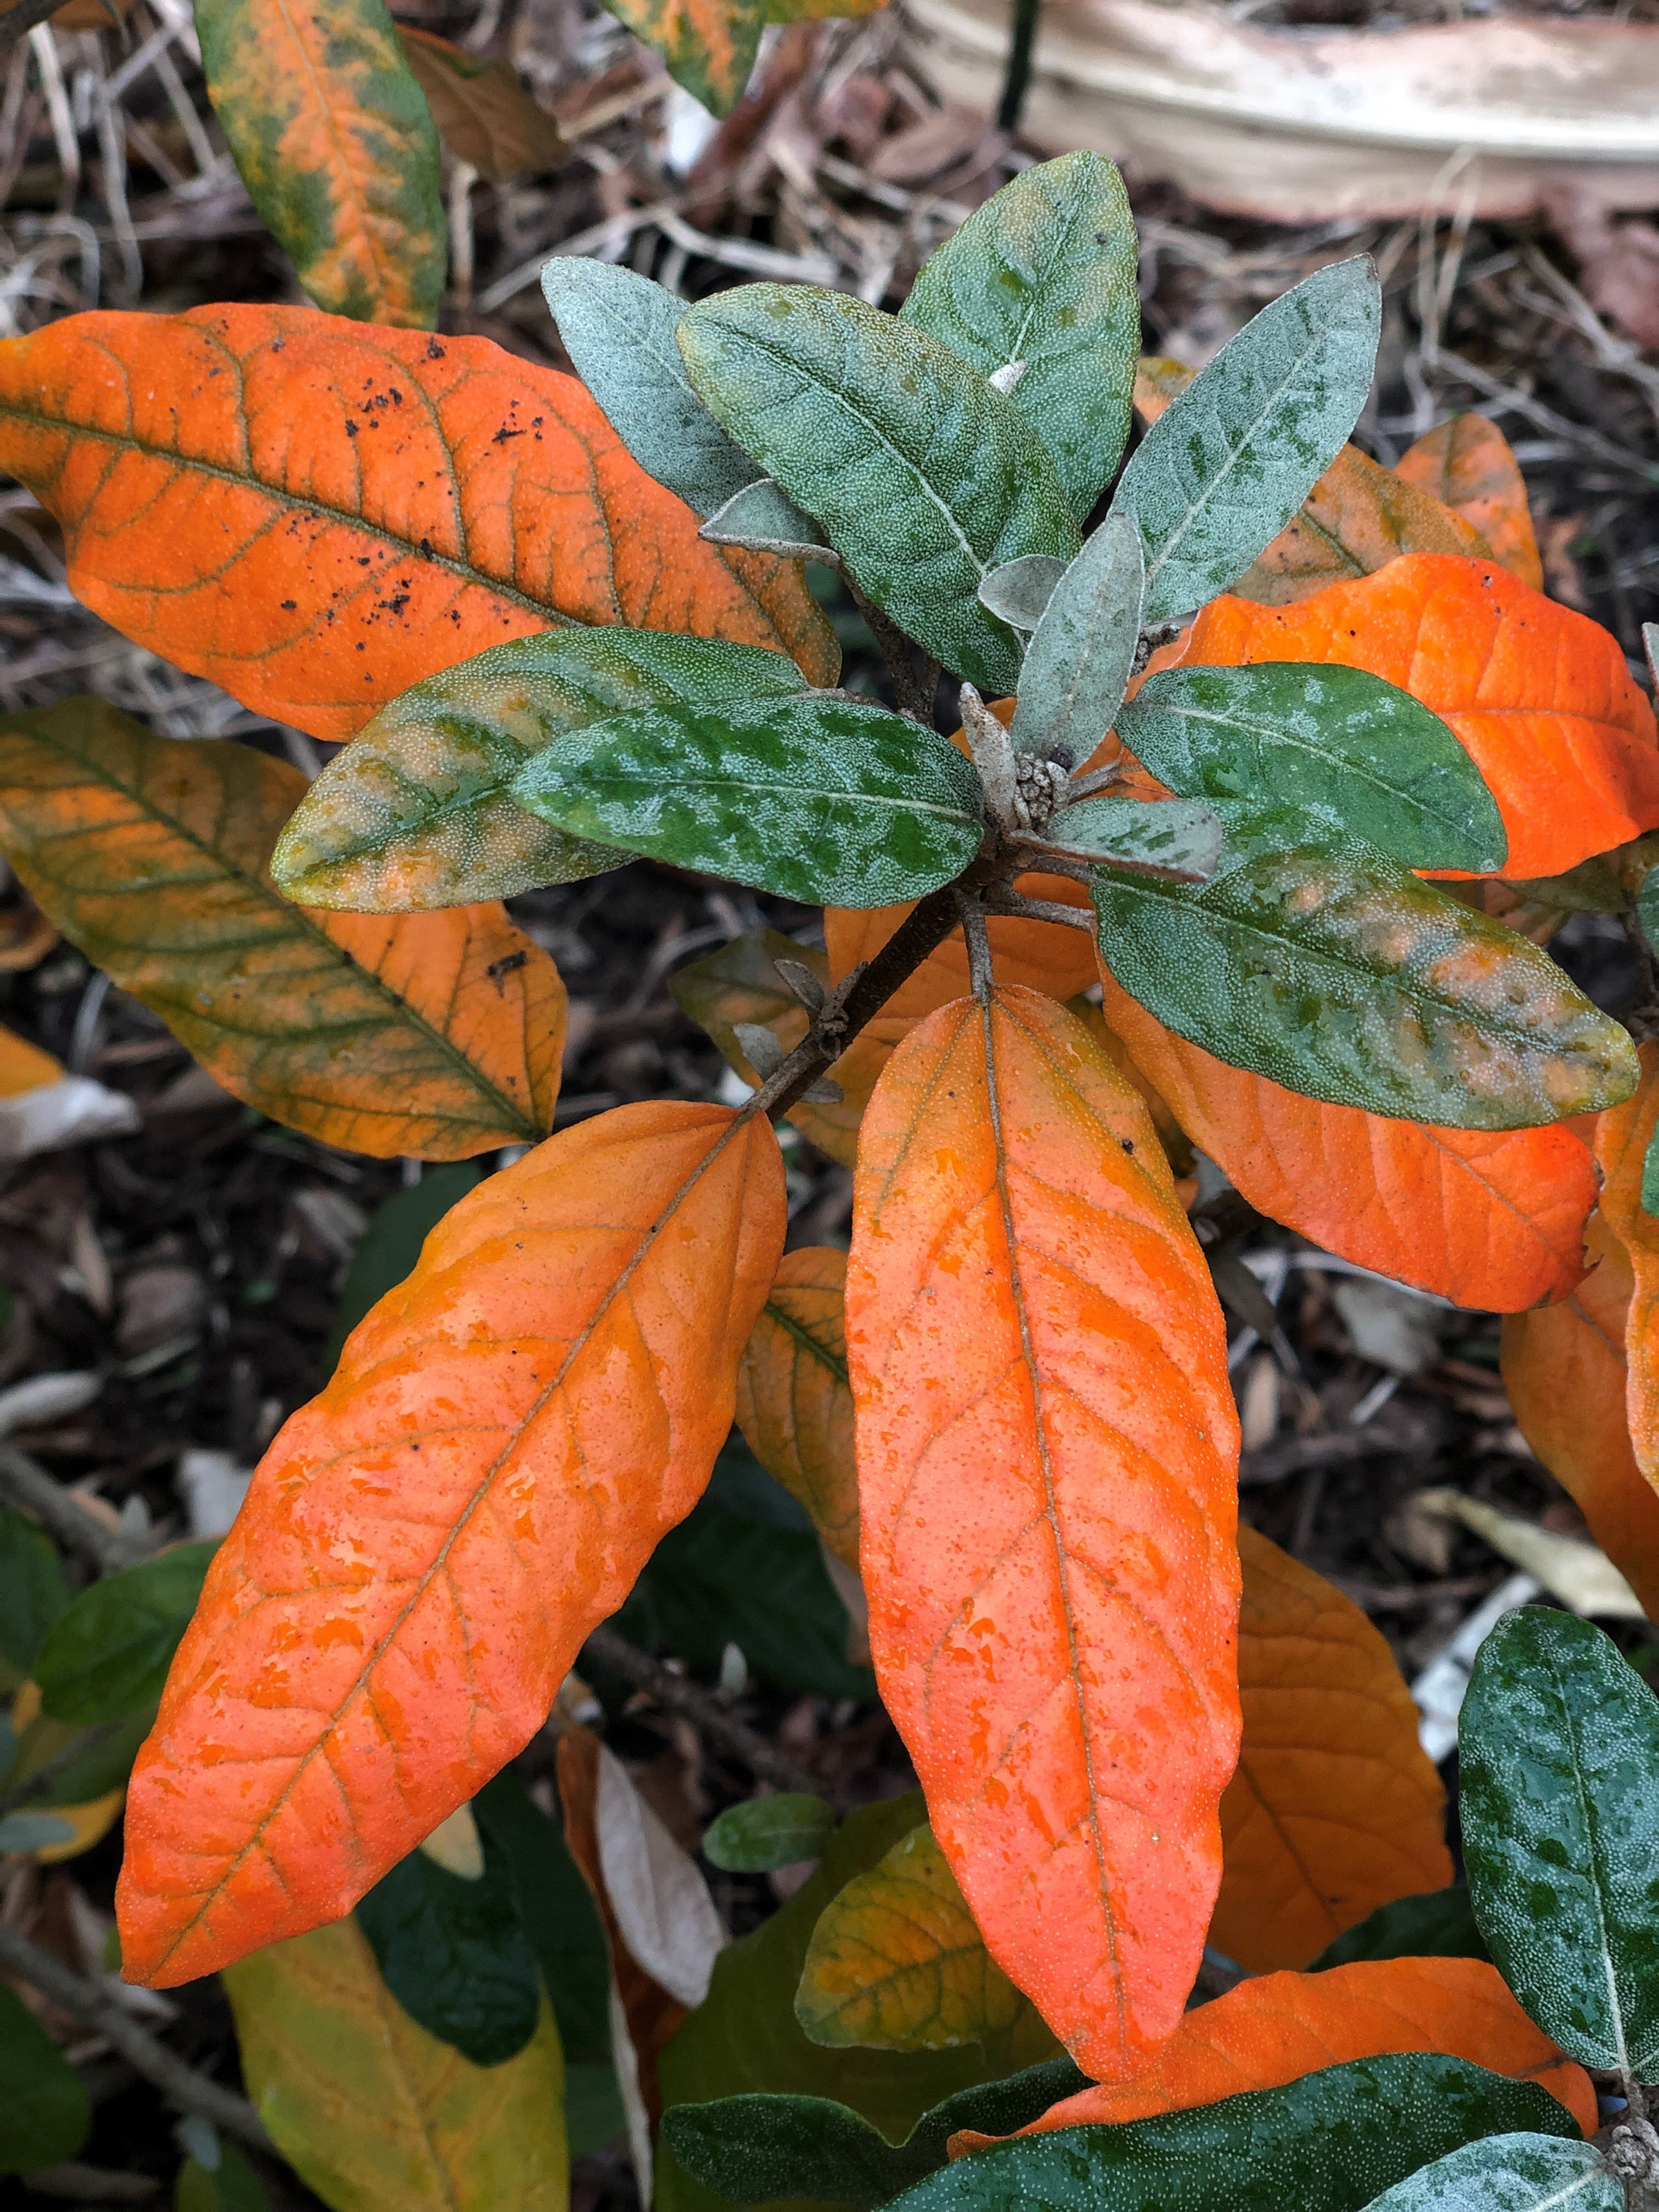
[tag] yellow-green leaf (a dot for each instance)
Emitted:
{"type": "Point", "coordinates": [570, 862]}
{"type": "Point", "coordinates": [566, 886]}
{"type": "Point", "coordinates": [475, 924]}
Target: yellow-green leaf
{"type": "Point", "coordinates": [337, 146]}
{"type": "Point", "coordinates": [895, 1963]}
{"type": "Point", "coordinates": [372, 2111]}
{"type": "Point", "coordinates": [438, 1035]}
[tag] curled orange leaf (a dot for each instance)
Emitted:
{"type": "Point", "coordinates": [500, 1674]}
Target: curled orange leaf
{"type": "Point", "coordinates": [1469, 464]}
{"type": "Point", "coordinates": [317, 513]}
{"type": "Point", "coordinates": [794, 1401]}
{"type": "Point", "coordinates": [1541, 697]}
{"type": "Point", "coordinates": [1623, 1135]}
{"type": "Point", "coordinates": [426, 1544]}
{"type": "Point", "coordinates": [1335, 1808]}
{"type": "Point", "coordinates": [1492, 1219]}
{"type": "Point", "coordinates": [1047, 1445]}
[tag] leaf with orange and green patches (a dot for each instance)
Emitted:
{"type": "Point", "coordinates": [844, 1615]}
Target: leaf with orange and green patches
{"type": "Point", "coordinates": [438, 1035]}
{"type": "Point", "coordinates": [794, 1402]}
{"type": "Point", "coordinates": [317, 514]}
{"type": "Point", "coordinates": [1468, 465]}
{"type": "Point", "coordinates": [709, 46]}
{"type": "Point", "coordinates": [897, 1963]}
{"type": "Point", "coordinates": [336, 144]}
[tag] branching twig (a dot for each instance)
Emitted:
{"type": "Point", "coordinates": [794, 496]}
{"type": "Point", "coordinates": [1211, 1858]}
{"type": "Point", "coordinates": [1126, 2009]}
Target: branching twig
{"type": "Point", "coordinates": [676, 1695]}
{"type": "Point", "coordinates": [1001, 899]}
{"type": "Point", "coordinates": [181, 2084]}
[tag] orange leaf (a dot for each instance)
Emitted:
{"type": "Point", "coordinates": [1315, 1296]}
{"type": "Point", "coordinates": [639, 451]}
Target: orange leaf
{"type": "Point", "coordinates": [426, 1544]}
{"type": "Point", "coordinates": [1335, 1809]}
{"type": "Point", "coordinates": [1622, 1137]}
{"type": "Point", "coordinates": [1564, 1368]}
{"type": "Point", "coordinates": [1273, 2030]}
{"type": "Point", "coordinates": [317, 513]}
{"type": "Point", "coordinates": [1541, 697]}
{"type": "Point", "coordinates": [1494, 1220]}
{"type": "Point", "coordinates": [1047, 1446]}
{"type": "Point", "coordinates": [1469, 464]}
{"type": "Point", "coordinates": [794, 1403]}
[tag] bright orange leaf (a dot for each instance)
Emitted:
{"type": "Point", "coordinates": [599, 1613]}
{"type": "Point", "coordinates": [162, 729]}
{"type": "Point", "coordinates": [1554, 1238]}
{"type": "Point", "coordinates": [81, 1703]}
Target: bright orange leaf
{"type": "Point", "coordinates": [1495, 1220]}
{"type": "Point", "coordinates": [317, 513]}
{"type": "Point", "coordinates": [1277, 2028]}
{"type": "Point", "coordinates": [1468, 462]}
{"type": "Point", "coordinates": [1335, 1808]}
{"type": "Point", "coordinates": [1564, 1367]}
{"type": "Point", "coordinates": [794, 1402]}
{"type": "Point", "coordinates": [1046, 1444]}
{"type": "Point", "coordinates": [428, 1543]}
{"type": "Point", "coordinates": [1622, 1137]}
{"type": "Point", "coordinates": [1541, 697]}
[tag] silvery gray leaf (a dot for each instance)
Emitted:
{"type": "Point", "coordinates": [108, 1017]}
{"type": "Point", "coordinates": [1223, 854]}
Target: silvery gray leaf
{"type": "Point", "coordinates": [763, 518]}
{"type": "Point", "coordinates": [1178, 838]}
{"type": "Point", "coordinates": [1080, 655]}
{"type": "Point", "coordinates": [760, 1047]}
{"type": "Point", "coordinates": [1019, 590]}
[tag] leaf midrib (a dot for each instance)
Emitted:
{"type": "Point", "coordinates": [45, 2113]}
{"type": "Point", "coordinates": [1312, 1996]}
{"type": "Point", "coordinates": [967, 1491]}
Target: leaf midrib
{"type": "Point", "coordinates": [804, 1335]}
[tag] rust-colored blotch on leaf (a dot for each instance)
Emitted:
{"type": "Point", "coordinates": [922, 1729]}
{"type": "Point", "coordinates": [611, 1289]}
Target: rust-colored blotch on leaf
{"type": "Point", "coordinates": [1335, 1808]}
{"type": "Point", "coordinates": [1541, 697]}
{"type": "Point", "coordinates": [1622, 1137]}
{"type": "Point", "coordinates": [1494, 1220]}
{"type": "Point", "coordinates": [1275, 2029]}
{"type": "Point", "coordinates": [1046, 1449]}
{"type": "Point", "coordinates": [426, 1544]}
{"type": "Point", "coordinates": [317, 513]}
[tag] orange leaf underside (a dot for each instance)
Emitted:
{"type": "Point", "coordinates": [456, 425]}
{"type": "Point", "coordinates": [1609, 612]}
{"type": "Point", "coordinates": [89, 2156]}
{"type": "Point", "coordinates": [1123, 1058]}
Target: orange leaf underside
{"type": "Point", "coordinates": [1277, 2028]}
{"type": "Point", "coordinates": [794, 1405]}
{"type": "Point", "coordinates": [1335, 1808]}
{"type": "Point", "coordinates": [1541, 697]}
{"type": "Point", "coordinates": [426, 1544]}
{"type": "Point", "coordinates": [1495, 1221]}
{"type": "Point", "coordinates": [1047, 1446]}
{"type": "Point", "coordinates": [1468, 462]}
{"type": "Point", "coordinates": [317, 513]}
{"type": "Point", "coordinates": [1622, 1137]}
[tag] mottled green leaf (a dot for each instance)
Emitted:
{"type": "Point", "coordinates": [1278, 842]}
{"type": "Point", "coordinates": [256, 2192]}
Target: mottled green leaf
{"type": "Point", "coordinates": [414, 813]}
{"type": "Point", "coordinates": [1509, 2173]}
{"type": "Point", "coordinates": [1558, 1768]}
{"type": "Point", "coordinates": [338, 149]}
{"type": "Point", "coordinates": [1079, 658]}
{"type": "Point", "coordinates": [821, 799]}
{"type": "Point", "coordinates": [1650, 1176]}
{"type": "Point", "coordinates": [923, 477]}
{"type": "Point", "coordinates": [1181, 836]}
{"type": "Point", "coordinates": [1437, 1925]}
{"type": "Point", "coordinates": [1315, 960]}
{"type": "Point", "coordinates": [45, 2113]}
{"type": "Point", "coordinates": [618, 329]}
{"type": "Point", "coordinates": [109, 1653]}
{"type": "Point", "coordinates": [33, 1588]}
{"type": "Point", "coordinates": [1231, 460]}
{"type": "Point", "coordinates": [1313, 735]}
{"type": "Point", "coordinates": [765, 1833]}
{"type": "Point", "coordinates": [1045, 273]}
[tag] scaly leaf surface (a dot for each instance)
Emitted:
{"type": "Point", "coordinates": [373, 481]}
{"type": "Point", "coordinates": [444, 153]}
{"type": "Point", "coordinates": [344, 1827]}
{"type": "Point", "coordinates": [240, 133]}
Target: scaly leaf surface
{"type": "Point", "coordinates": [428, 1543]}
{"type": "Point", "coordinates": [794, 1401]}
{"type": "Point", "coordinates": [1046, 1452]}
{"type": "Point", "coordinates": [1509, 2173]}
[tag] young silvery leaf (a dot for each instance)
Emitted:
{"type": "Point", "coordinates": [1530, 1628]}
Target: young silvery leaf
{"type": "Point", "coordinates": [1312, 958]}
{"type": "Point", "coordinates": [1558, 1759]}
{"type": "Point", "coordinates": [1044, 274]}
{"type": "Point", "coordinates": [769, 1831]}
{"type": "Point", "coordinates": [762, 516]}
{"type": "Point", "coordinates": [1017, 592]}
{"type": "Point", "coordinates": [923, 477]}
{"type": "Point", "coordinates": [618, 328]}
{"type": "Point", "coordinates": [819, 798]}
{"type": "Point", "coordinates": [1079, 658]}
{"type": "Point", "coordinates": [1227, 465]}
{"type": "Point", "coordinates": [1509, 2173]}
{"type": "Point", "coordinates": [1322, 736]}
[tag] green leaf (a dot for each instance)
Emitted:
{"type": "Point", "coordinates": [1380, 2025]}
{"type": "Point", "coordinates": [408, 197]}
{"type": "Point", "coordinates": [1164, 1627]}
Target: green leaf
{"type": "Point", "coordinates": [594, 2114]}
{"type": "Point", "coordinates": [759, 2149]}
{"type": "Point", "coordinates": [416, 813]}
{"type": "Point", "coordinates": [744, 2036]}
{"type": "Point", "coordinates": [391, 1244]}
{"type": "Point", "coordinates": [1332, 2140]}
{"type": "Point", "coordinates": [1559, 1767]}
{"type": "Point", "coordinates": [763, 517]}
{"type": "Point", "coordinates": [109, 1653]}
{"type": "Point", "coordinates": [1019, 591]}
{"type": "Point", "coordinates": [783, 1830]}
{"type": "Point", "coordinates": [1181, 836]}
{"type": "Point", "coordinates": [452, 1954]}
{"type": "Point", "coordinates": [1437, 1925]}
{"type": "Point", "coordinates": [1315, 960]}
{"type": "Point", "coordinates": [830, 800]}
{"type": "Point", "coordinates": [1079, 658]}
{"type": "Point", "coordinates": [101, 1762]}
{"type": "Point", "coordinates": [32, 1831]}
{"type": "Point", "coordinates": [923, 477]}
{"type": "Point", "coordinates": [44, 2114]}
{"type": "Point", "coordinates": [618, 329]}
{"type": "Point", "coordinates": [1045, 272]}
{"type": "Point", "coordinates": [1315, 736]}
{"type": "Point", "coordinates": [231, 2186]}
{"type": "Point", "coordinates": [1650, 1176]}
{"type": "Point", "coordinates": [557, 1912]}
{"type": "Point", "coordinates": [1509, 2173]}
{"type": "Point", "coordinates": [33, 1588]}
{"type": "Point", "coordinates": [1232, 458]}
